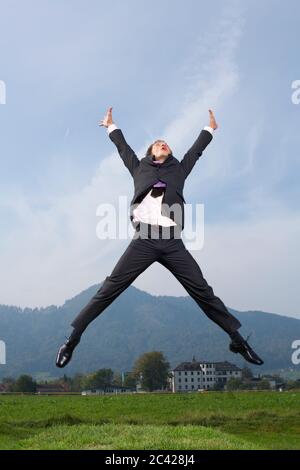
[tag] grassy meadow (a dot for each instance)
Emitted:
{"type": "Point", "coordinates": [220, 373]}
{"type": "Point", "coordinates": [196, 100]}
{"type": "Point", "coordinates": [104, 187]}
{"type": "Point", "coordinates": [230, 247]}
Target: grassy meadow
{"type": "Point", "coordinates": [213, 420]}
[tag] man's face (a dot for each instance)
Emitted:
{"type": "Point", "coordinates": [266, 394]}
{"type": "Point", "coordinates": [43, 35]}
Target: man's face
{"type": "Point", "coordinates": [160, 149]}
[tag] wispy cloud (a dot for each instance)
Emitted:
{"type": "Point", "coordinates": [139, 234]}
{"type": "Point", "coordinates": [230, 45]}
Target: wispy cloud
{"type": "Point", "coordinates": [55, 249]}
{"type": "Point", "coordinates": [250, 265]}
{"type": "Point", "coordinates": [50, 251]}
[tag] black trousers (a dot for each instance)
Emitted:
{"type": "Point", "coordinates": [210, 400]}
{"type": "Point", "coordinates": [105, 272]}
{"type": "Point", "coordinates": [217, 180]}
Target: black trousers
{"type": "Point", "coordinates": [172, 254]}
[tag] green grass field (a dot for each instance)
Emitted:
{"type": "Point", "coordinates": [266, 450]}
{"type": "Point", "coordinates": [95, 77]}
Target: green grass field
{"type": "Point", "coordinates": [214, 420]}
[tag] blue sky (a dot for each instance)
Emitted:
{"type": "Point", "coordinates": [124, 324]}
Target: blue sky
{"type": "Point", "coordinates": [161, 65]}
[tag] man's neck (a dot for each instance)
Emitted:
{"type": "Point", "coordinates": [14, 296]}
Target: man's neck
{"type": "Point", "coordinates": [160, 159]}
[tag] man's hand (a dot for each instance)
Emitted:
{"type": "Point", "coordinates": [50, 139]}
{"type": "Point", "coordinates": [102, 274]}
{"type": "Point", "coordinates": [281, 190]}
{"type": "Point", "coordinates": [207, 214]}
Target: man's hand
{"type": "Point", "coordinates": [107, 120]}
{"type": "Point", "coordinates": [212, 120]}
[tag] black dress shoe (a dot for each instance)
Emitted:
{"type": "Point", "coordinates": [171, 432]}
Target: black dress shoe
{"type": "Point", "coordinates": [65, 352]}
{"type": "Point", "coordinates": [241, 346]}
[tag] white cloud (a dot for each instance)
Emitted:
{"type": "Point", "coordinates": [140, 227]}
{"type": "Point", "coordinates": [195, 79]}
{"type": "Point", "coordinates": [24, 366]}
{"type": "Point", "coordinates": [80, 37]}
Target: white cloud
{"type": "Point", "coordinates": [54, 254]}
{"type": "Point", "coordinates": [251, 266]}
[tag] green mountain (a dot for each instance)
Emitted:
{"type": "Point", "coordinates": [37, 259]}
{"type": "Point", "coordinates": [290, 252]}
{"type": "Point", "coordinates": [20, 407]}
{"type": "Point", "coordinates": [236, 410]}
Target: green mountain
{"type": "Point", "coordinates": [135, 323]}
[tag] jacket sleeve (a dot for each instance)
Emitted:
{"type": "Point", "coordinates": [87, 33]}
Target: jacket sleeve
{"type": "Point", "coordinates": [193, 154]}
{"type": "Point", "coordinates": [128, 156]}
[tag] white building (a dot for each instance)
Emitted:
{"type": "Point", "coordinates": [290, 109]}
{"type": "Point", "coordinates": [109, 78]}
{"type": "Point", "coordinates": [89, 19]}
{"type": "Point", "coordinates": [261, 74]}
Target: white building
{"type": "Point", "coordinates": [202, 375]}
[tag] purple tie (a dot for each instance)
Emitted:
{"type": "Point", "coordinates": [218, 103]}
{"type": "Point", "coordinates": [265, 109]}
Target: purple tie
{"type": "Point", "coordinates": [159, 184]}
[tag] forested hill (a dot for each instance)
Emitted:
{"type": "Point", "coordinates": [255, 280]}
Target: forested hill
{"type": "Point", "coordinates": [135, 323]}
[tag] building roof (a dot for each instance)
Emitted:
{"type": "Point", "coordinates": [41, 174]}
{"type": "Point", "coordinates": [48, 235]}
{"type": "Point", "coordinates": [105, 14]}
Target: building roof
{"type": "Point", "coordinates": [109, 387]}
{"type": "Point", "coordinates": [51, 387]}
{"type": "Point", "coordinates": [226, 366]}
{"type": "Point", "coordinates": [197, 365]}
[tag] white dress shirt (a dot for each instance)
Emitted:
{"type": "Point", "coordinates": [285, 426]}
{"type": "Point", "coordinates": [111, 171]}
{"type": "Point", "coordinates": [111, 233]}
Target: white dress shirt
{"type": "Point", "coordinates": [149, 210]}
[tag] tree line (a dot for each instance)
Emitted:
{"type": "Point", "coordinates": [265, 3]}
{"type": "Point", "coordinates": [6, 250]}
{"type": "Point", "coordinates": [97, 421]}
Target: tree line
{"type": "Point", "coordinates": [151, 371]}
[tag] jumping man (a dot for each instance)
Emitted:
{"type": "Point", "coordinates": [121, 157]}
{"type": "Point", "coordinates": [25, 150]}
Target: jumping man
{"type": "Point", "coordinates": [157, 214]}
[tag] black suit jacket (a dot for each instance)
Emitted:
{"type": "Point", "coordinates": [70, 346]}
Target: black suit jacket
{"type": "Point", "coordinates": [145, 174]}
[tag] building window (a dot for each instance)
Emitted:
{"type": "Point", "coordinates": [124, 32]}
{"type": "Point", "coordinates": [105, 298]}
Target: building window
{"type": "Point", "coordinates": [179, 380]}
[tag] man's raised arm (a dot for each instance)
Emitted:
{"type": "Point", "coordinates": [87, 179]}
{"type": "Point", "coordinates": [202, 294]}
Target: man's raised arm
{"type": "Point", "coordinates": [202, 141]}
{"type": "Point", "coordinates": [128, 156]}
